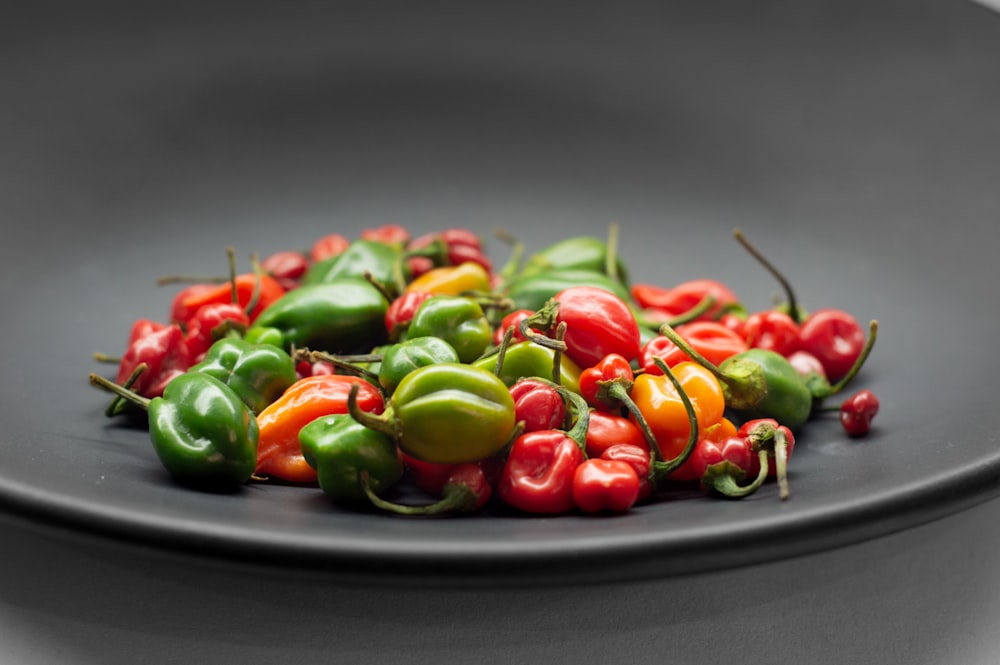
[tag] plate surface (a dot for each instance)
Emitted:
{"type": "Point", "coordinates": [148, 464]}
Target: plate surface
{"type": "Point", "coordinates": [857, 146]}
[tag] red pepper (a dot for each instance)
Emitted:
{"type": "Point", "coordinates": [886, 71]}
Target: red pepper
{"type": "Point", "coordinates": [638, 458]}
{"type": "Point", "coordinates": [537, 476]}
{"type": "Point", "coordinates": [603, 485]}
{"type": "Point", "coordinates": [720, 466]}
{"type": "Point", "coordinates": [246, 285]}
{"type": "Point", "coordinates": [836, 338]}
{"type": "Point", "coordinates": [773, 330]}
{"type": "Point", "coordinates": [537, 404]}
{"type": "Point", "coordinates": [597, 383]}
{"type": "Point", "coordinates": [461, 245]}
{"type": "Point", "coordinates": [807, 364]}
{"type": "Point", "coordinates": [208, 322]}
{"type": "Point", "coordinates": [465, 489]}
{"type": "Point", "coordinates": [777, 440]}
{"type": "Point", "coordinates": [857, 412]}
{"type": "Point", "coordinates": [165, 354]}
{"type": "Point", "coordinates": [143, 327]}
{"type": "Point", "coordinates": [286, 267]}
{"type": "Point", "coordinates": [685, 297]}
{"type": "Point", "coordinates": [708, 437]}
{"type": "Point", "coordinates": [711, 339]}
{"type": "Point", "coordinates": [180, 311]}
{"type": "Point", "coordinates": [606, 430]}
{"type": "Point", "coordinates": [400, 312]}
{"type": "Point", "coordinates": [328, 246]}
{"type": "Point", "coordinates": [511, 321]}
{"type": "Point", "coordinates": [390, 234]}
{"type": "Point", "coordinates": [597, 323]}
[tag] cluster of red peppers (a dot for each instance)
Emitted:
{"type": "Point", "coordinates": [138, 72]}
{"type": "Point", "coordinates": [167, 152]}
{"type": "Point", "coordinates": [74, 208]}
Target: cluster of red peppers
{"type": "Point", "coordinates": [549, 385]}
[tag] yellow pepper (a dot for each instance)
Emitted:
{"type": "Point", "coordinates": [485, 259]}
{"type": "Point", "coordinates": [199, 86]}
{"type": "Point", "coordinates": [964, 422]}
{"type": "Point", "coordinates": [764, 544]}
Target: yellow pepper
{"type": "Point", "coordinates": [452, 280]}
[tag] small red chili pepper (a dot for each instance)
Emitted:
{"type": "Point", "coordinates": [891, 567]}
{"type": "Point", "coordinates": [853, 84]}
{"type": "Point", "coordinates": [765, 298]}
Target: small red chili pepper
{"type": "Point", "coordinates": [400, 312]}
{"type": "Point", "coordinates": [609, 429]}
{"type": "Point", "coordinates": [166, 356]}
{"type": "Point", "coordinates": [709, 338]}
{"type": "Point", "coordinates": [835, 337]}
{"type": "Point", "coordinates": [603, 485]}
{"type": "Point", "coordinates": [143, 327]}
{"type": "Point", "coordinates": [265, 288]}
{"type": "Point", "coordinates": [180, 311]}
{"type": "Point", "coordinates": [597, 323]}
{"type": "Point", "coordinates": [857, 412]}
{"type": "Point", "coordinates": [708, 437]}
{"type": "Point", "coordinates": [537, 404]}
{"type": "Point", "coordinates": [685, 297]}
{"type": "Point", "coordinates": [511, 321]}
{"type": "Point", "coordinates": [773, 330]}
{"type": "Point", "coordinates": [806, 364]}
{"type": "Point", "coordinates": [777, 440]}
{"type": "Point", "coordinates": [537, 476]}
{"type": "Point", "coordinates": [328, 246]}
{"type": "Point", "coordinates": [597, 383]}
{"type": "Point", "coordinates": [390, 234]}
{"type": "Point", "coordinates": [638, 458]}
{"type": "Point", "coordinates": [209, 323]}
{"type": "Point", "coordinates": [286, 267]}
{"type": "Point", "coordinates": [722, 465]}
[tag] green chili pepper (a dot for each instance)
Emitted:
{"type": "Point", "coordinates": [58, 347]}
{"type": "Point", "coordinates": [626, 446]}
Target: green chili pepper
{"type": "Point", "coordinates": [530, 359]}
{"type": "Point", "coordinates": [343, 316]}
{"type": "Point", "coordinates": [202, 432]}
{"type": "Point", "coordinates": [257, 373]}
{"type": "Point", "coordinates": [576, 253]}
{"type": "Point", "coordinates": [378, 259]}
{"type": "Point", "coordinates": [265, 335]}
{"type": "Point", "coordinates": [340, 448]}
{"type": "Point", "coordinates": [457, 320]}
{"type": "Point", "coordinates": [448, 413]}
{"type": "Point", "coordinates": [400, 359]}
{"type": "Point", "coordinates": [534, 290]}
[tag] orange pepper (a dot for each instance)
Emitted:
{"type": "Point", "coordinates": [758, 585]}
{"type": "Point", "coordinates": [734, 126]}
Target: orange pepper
{"type": "Point", "coordinates": [270, 290]}
{"type": "Point", "coordinates": [452, 280]}
{"type": "Point", "coordinates": [279, 453]}
{"type": "Point", "coordinates": [663, 409]}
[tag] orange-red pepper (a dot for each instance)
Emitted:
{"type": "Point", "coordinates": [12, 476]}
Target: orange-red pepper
{"type": "Point", "coordinates": [270, 291]}
{"type": "Point", "coordinates": [279, 453]}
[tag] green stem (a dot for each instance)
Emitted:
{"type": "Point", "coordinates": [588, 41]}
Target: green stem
{"type": "Point", "coordinates": [130, 395]}
{"type": "Point", "coordinates": [793, 308]}
{"type": "Point", "coordinates": [619, 392]}
{"type": "Point", "coordinates": [455, 499]}
{"type": "Point", "coordinates": [581, 420]}
{"type": "Point", "coordinates": [856, 367]}
{"type": "Point", "coordinates": [726, 485]}
{"type": "Point", "coordinates": [384, 423]}
{"type": "Point", "coordinates": [611, 252]}
{"type": "Point", "coordinates": [665, 468]}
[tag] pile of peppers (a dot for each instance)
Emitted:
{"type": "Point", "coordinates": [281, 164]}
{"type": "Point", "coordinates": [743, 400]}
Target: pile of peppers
{"type": "Point", "coordinates": [409, 375]}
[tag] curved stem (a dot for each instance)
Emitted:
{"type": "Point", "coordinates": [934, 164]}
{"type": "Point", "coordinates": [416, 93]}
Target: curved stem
{"type": "Point", "coordinates": [620, 393]}
{"type": "Point", "coordinates": [130, 395]}
{"type": "Point", "coordinates": [379, 286]}
{"type": "Point", "coordinates": [665, 468]}
{"type": "Point", "coordinates": [384, 423]}
{"type": "Point", "coordinates": [582, 421]}
{"type": "Point", "coordinates": [258, 278]}
{"type": "Point", "coordinates": [793, 307]}
{"type": "Point", "coordinates": [856, 367]}
{"type": "Point", "coordinates": [781, 460]}
{"type": "Point", "coordinates": [456, 499]}
{"type": "Point", "coordinates": [231, 258]}
{"type": "Point", "coordinates": [726, 485]}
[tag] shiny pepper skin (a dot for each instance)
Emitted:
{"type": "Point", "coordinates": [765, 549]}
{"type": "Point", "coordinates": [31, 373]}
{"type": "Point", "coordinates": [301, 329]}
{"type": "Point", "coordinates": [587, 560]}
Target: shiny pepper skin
{"type": "Point", "coordinates": [597, 323]}
{"type": "Point", "coordinates": [165, 354]}
{"type": "Point", "coordinates": [605, 485]}
{"type": "Point", "coordinates": [537, 404]}
{"type": "Point", "coordinates": [857, 412]}
{"type": "Point", "coordinates": [538, 475]}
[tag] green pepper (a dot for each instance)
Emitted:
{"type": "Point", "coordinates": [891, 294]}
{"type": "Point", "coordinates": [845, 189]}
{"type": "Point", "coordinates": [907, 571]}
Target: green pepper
{"type": "Point", "coordinates": [202, 432]}
{"type": "Point", "coordinates": [265, 335]}
{"type": "Point", "coordinates": [447, 413]}
{"type": "Point", "coordinates": [575, 253]}
{"type": "Point", "coordinates": [400, 359]}
{"type": "Point", "coordinates": [340, 448]}
{"type": "Point", "coordinates": [530, 359]}
{"type": "Point", "coordinates": [380, 260]}
{"type": "Point", "coordinates": [534, 290]}
{"type": "Point", "coordinates": [458, 320]}
{"type": "Point", "coordinates": [344, 316]}
{"type": "Point", "coordinates": [258, 373]}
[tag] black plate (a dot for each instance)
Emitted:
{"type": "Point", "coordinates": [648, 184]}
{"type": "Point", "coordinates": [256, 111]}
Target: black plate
{"type": "Point", "coordinates": [856, 144]}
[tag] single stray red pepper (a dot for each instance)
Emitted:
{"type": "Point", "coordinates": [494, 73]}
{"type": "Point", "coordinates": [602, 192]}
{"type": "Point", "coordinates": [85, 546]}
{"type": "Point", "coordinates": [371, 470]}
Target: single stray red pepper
{"type": "Point", "coordinates": [605, 485]}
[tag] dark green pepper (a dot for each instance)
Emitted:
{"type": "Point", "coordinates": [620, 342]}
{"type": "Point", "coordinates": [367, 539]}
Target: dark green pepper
{"type": "Point", "coordinates": [530, 359]}
{"type": "Point", "coordinates": [447, 413]}
{"type": "Point", "coordinates": [343, 317]}
{"type": "Point", "coordinates": [202, 432]}
{"type": "Point", "coordinates": [381, 260]}
{"type": "Point", "coordinates": [258, 373]}
{"type": "Point", "coordinates": [400, 359]}
{"type": "Point", "coordinates": [533, 291]}
{"type": "Point", "coordinates": [458, 320]}
{"type": "Point", "coordinates": [340, 449]}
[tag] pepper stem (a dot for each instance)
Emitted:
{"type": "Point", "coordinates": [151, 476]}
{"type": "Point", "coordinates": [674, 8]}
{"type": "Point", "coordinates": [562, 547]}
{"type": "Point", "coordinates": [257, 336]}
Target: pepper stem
{"type": "Point", "coordinates": [720, 478]}
{"type": "Point", "coordinates": [346, 363]}
{"type": "Point", "coordinates": [384, 423]}
{"type": "Point", "coordinates": [611, 252]}
{"type": "Point", "coordinates": [582, 417]}
{"type": "Point", "coordinates": [663, 468]}
{"type": "Point", "coordinates": [620, 393]}
{"type": "Point", "coordinates": [130, 395]}
{"type": "Point", "coordinates": [793, 307]}
{"type": "Point", "coordinates": [455, 498]}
